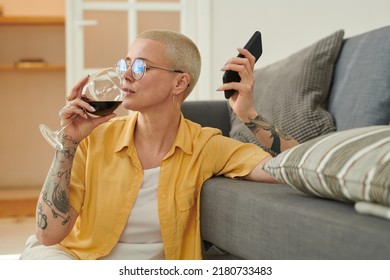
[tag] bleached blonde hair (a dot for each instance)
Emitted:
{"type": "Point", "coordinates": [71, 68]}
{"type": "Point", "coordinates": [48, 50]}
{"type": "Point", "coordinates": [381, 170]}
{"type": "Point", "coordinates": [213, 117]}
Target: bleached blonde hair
{"type": "Point", "coordinates": [181, 51]}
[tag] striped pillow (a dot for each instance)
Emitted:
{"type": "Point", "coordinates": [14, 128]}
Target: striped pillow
{"type": "Point", "coordinates": [350, 166]}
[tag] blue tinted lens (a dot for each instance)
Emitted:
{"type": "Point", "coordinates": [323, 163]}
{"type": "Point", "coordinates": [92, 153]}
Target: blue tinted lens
{"type": "Point", "coordinates": [121, 67]}
{"type": "Point", "coordinates": [138, 68]}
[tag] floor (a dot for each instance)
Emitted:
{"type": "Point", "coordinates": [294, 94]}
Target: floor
{"type": "Point", "coordinates": [17, 219]}
{"type": "Point", "coordinates": [13, 234]}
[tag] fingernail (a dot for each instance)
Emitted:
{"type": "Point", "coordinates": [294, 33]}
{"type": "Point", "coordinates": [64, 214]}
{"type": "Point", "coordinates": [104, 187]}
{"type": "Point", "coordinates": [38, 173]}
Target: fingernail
{"type": "Point", "coordinates": [91, 109]}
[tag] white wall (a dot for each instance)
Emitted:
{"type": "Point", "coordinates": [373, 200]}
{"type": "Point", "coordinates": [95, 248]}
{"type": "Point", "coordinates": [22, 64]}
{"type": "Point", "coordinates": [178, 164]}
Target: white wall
{"type": "Point", "coordinates": [286, 26]}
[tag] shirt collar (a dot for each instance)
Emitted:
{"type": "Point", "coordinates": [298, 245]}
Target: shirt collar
{"type": "Point", "coordinates": [182, 140]}
{"type": "Point", "coordinates": [126, 138]}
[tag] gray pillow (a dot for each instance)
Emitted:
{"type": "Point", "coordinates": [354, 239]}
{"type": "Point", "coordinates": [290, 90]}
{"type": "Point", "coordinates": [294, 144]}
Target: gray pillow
{"type": "Point", "coordinates": [293, 92]}
{"type": "Point", "coordinates": [361, 86]}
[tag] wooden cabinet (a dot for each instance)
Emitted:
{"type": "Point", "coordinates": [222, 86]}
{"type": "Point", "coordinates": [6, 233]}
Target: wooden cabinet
{"type": "Point", "coordinates": [31, 20]}
{"type": "Point", "coordinates": [31, 93]}
{"type": "Point", "coordinates": [32, 43]}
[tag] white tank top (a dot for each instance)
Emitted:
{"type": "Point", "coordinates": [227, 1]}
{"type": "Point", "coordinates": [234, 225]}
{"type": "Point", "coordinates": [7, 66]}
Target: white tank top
{"type": "Point", "coordinates": [141, 238]}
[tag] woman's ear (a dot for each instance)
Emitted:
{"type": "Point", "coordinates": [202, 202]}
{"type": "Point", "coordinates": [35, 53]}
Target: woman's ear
{"type": "Point", "coordinates": [183, 82]}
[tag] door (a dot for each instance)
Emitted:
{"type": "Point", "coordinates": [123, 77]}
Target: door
{"type": "Point", "coordinates": [98, 32]}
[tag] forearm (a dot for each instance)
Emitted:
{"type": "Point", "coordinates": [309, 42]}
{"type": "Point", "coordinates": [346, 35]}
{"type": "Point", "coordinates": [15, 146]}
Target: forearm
{"type": "Point", "coordinates": [258, 174]}
{"type": "Point", "coordinates": [272, 138]}
{"type": "Point", "coordinates": [54, 214]}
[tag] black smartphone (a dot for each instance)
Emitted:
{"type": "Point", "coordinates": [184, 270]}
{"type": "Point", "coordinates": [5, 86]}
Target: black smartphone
{"type": "Point", "coordinates": [255, 47]}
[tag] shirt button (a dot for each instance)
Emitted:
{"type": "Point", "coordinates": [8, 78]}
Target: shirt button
{"type": "Point", "coordinates": [163, 195]}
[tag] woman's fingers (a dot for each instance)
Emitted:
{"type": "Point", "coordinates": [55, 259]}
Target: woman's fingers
{"type": "Point", "coordinates": [82, 104]}
{"type": "Point", "coordinates": [242, 65]}
{"type": "Point", "coordinates": [249, 56]}
{"type": "Point", "coordinates": [76, 107]}
{"type": "Point", "coordinates": [77, 89]}
{"type": "Point", "coordinates": [70, 112]}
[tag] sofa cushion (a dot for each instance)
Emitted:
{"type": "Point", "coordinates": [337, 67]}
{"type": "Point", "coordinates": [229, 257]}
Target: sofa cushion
{"type": "Point", "coordinates": [253, 220]}
{"type": "Point", "coordinates": [293, 92]}
{"type": "Point", "coordinates": [210, 113]}
{"type": "Point", "coordinates": [360, 94]}
{"type": "Point", "coordinates": [350, 166]}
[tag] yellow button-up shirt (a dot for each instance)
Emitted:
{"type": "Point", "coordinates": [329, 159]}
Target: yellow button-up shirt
{"type": "Point", "coordinates": [107, 175]}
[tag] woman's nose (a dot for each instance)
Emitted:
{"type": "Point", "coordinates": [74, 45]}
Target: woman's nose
{"type": "Point", "coordinates": [128, 75]}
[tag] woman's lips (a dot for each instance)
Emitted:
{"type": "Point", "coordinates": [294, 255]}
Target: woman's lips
{"type": "Point", "coordinates": [128, 91]}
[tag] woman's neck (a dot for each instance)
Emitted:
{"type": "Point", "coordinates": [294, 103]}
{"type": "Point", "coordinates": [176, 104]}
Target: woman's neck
{"type": "Point", "coordinates": [154, 137]}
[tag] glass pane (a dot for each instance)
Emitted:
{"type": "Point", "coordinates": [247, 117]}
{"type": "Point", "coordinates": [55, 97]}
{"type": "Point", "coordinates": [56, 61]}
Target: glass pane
{"type": "Point", "coordinates": [107, 41]}
{"type": "Point", "coordinates": [158, 20]}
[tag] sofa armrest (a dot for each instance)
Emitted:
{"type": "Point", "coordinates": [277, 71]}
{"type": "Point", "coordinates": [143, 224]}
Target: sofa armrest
{"type": "Point", "coordinates": [208, 113]}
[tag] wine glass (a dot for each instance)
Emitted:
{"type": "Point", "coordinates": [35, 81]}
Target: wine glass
{"type": "Point", "coordinates": [103, 92]}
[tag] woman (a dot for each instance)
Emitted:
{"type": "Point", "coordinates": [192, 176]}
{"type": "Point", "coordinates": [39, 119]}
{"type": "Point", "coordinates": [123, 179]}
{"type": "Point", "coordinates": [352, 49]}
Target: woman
{"type": "Point", "coordinates": [128, 187]}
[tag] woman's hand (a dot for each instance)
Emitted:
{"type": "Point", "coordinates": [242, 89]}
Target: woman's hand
{"type": "Point", "coordinates": [74, 115]}
{"type": "Point", "coordinates": [242, 100]}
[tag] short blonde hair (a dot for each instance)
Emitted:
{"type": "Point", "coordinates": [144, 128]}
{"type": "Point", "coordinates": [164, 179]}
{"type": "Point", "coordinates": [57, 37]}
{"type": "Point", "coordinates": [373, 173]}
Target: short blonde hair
{"type": "Point", "coordinates": [182, 53]}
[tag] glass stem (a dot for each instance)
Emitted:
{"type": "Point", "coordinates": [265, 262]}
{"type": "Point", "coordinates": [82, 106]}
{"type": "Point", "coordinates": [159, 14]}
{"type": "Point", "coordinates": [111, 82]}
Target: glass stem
{"type": "Point", "coordinates": [62, 128]}
{"type": "Point", "coordinates": [65, 125]}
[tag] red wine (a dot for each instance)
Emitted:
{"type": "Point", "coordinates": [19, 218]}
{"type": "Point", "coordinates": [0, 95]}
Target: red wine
{"type": "Point", "coordinates": [103, 107]}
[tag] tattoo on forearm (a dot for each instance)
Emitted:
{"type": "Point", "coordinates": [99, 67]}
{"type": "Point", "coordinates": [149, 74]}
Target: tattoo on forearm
{"type": "Point", "coordinates": [60, 196]}
{"type": "Point", "coordinates": [41, 217]}
{"type": "Point", "coordinates": [55, 190]}
{"type": "Point", "coordinates": [69, 152]}
{"type": "Point", "coordinates": [260, 123]}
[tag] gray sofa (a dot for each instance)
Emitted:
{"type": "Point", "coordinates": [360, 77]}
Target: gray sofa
{"type": "Point", "coordinates": [250, 220]}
